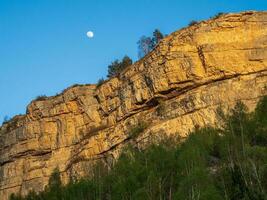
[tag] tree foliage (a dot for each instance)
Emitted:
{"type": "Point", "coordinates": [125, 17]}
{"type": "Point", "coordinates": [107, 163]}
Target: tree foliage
{"type": "Point", "coordinates": [157, 36]}
{"type": "Point", "coordinates": [6, 119]}
{"type": "Point", "coordinates": [118, 66]}
{"type": "Point", "coordinates": [229, 162]}
{"type": "Point", "coordinates": [146, 44]}
{"type": "Point", "coordinates": [100, 82]}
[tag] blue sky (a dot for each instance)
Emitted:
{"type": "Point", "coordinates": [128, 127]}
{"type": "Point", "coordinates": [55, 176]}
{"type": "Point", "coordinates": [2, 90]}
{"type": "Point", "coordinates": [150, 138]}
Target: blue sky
{"type": "Point", "coordinates": [44, 48]}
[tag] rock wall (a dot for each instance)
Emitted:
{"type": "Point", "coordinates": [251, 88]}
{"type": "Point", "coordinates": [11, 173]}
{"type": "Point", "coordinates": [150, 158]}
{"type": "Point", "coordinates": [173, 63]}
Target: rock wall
{"type": "Point", "coordinates": [175, 88]}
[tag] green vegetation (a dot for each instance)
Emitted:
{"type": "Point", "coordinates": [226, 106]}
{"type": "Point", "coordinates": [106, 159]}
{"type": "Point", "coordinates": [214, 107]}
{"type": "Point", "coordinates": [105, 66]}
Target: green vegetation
{"type": "Point", "coordinates": [157, 36]}
{"type": "Point", "coordinates": [212, 163]}
{"type": "Point", "coordinates": [6, 119]}
{"type": "Point", "coordinates": [219, 14]}
{"type": "Point", "coordinates": [41, 98]}
{"type": "Point", "coordinates": [193, 22]}
{"type": "Point", "coordinates": [117, 66]}
{"type": "Point", "coordinates": [147, 44]}
{"type": "Point", "coordinates": [136, 130]}
{"type": "Point", "coordinates": [100, 82]}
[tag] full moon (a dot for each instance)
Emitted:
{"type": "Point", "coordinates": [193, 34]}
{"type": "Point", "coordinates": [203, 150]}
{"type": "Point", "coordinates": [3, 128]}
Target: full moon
{"type": "Point", "coordinates": [90, 34]}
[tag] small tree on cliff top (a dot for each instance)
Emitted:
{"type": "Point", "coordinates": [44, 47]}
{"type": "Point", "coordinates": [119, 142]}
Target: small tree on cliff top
{"type": "Point", "coordinates": [147, 44]}
{"type": "Point", "coordinates": [117, 66]}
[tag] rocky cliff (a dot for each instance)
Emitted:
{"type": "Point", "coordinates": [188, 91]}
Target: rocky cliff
{"type": "Point", "coordinates": [175, 88]}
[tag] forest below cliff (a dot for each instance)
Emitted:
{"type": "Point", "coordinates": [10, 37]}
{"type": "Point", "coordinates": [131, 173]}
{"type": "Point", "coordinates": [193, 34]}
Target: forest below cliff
{"type": "Point", "coordinates": [227, 162]}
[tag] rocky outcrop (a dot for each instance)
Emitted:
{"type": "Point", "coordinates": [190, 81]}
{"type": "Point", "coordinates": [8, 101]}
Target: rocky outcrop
{"type": "Point", "coordinates": [175, 88]}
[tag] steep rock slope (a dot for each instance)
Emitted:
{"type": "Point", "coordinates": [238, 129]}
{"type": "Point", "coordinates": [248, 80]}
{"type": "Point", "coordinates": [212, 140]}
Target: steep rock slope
{"type": "Point", "coordinates": [175, 88]}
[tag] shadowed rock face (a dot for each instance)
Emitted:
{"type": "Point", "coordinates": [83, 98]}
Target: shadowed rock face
{"type": "Point", "coordinates": [175, 88]}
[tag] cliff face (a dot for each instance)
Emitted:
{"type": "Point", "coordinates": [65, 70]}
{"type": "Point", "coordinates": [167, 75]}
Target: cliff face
{"type": "Point", "coordinates": [175, 88]}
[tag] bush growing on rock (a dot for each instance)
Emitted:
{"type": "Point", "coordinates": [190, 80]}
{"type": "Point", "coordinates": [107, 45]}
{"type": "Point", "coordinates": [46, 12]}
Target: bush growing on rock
{"type": "Point", "coordinates": [117, 66]}
{"type": "Point", "coordinates": [6, 119]}
{"type": "Point", "coordinates": [41, 98]}
{"type": "Point", "coordinates": [100, 82]}
{"type": "Point", "coordinates": [193, 22]}
{"type": "Point", "coordinates": [138, 129]}
{"type": "Point", "coordinates": [219, 14]}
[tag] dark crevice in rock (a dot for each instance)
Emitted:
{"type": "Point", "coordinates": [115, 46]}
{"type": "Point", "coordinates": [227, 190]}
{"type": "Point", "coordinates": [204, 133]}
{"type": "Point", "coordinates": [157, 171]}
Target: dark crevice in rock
{"type": "Point", "coordinates": [114, 146]}
{"type": "Point", "coordinates": [6, 162]}
{"type": "Point", "coordinates": [24, 154]}
{"type": "Point", "coordinates": [202, 57]}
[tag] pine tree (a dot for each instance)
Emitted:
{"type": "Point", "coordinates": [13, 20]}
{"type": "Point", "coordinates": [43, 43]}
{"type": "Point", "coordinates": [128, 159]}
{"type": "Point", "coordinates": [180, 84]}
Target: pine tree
{"type": "Point", "coordinates": [157, 36]}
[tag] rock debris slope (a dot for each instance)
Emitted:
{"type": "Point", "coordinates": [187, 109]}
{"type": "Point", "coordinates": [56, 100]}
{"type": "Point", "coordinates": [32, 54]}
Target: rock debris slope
{"type": "Point", "coordinates": [175, 88]}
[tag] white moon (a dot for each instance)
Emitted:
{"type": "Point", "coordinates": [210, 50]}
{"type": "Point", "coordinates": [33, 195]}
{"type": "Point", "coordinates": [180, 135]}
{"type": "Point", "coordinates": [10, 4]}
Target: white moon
{"type": "Point", "coordinates": [90, 34]}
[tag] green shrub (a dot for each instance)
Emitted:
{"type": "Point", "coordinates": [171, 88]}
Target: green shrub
{"type": "Point", "coordinates": [219, 14]}
{"type": "Point", "coordinates": [135, 131]}
{"type": "Point", "coordinates": [100, 82]}
{"type": "Point", "coordinates": [192, 23]}
{"type": "Point", "coordinates": [116, 67]}
{"type": "Point", "coordinates": [55, 181]}
{"type": "Point", "coordinates": [6, 119]}
{"type": "Point", "coordinates": [41, 98]}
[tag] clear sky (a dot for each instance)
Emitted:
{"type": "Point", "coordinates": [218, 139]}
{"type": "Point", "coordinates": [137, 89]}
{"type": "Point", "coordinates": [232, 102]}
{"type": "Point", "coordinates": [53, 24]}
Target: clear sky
{"type": "Point", "coordinates": [44, 48]}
